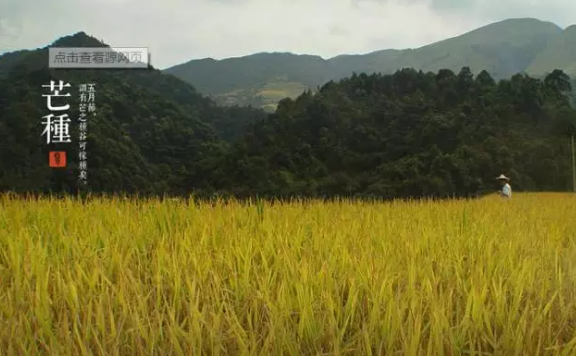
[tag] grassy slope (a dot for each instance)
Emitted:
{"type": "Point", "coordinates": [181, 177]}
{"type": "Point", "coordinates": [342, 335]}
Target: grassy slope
{"type": "Point", "coordinates": [559, 54]}
{"type": "Point", "coordinates": [265, 95]}
{"type": "Point", "coordinates": [503, 48]}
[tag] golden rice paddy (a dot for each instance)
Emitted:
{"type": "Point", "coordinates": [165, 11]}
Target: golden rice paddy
{"type": "Point", "coordinates": [151, 277]}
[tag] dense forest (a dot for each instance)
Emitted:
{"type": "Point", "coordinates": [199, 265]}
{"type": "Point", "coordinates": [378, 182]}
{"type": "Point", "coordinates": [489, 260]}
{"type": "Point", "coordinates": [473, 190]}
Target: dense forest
{"type": "Point", "coordinates": [408, 134]}
{"type": "Point", "coordinates": [413, 134]}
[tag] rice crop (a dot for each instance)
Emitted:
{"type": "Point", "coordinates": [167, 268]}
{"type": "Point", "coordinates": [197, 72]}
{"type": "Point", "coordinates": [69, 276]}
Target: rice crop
{"type": "Point", "coordinates": [179, 277]}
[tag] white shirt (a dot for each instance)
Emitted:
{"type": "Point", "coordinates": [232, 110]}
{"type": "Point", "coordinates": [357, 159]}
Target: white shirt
{"type": "Point", "coordinates": [507, 191]}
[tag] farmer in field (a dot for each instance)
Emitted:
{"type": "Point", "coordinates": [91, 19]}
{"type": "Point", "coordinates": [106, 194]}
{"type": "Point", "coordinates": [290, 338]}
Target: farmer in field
{"type": "Point", "coordinates": [506, 191]}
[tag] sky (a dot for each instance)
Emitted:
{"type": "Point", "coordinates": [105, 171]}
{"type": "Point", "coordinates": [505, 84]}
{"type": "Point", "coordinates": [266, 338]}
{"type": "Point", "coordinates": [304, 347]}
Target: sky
{"type": "Point", "coordinates": [176, 31]}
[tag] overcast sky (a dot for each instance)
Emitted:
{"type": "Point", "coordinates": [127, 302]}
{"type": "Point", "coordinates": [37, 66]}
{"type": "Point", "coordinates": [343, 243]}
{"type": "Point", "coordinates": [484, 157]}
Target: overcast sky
{"type": "Point", "coordinates": [177, 31]}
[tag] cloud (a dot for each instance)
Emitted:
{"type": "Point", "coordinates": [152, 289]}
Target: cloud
{"type": "Point", "coordinates": [178, 30]}
{"type": "Point", "coordinates": [453, 5]}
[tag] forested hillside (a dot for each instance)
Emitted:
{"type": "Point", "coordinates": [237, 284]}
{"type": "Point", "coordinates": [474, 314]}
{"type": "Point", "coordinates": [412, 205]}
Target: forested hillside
{"type": "Point", "coordinates": [413, 134]}
{"type": "Point", "coordinates": [406, 134]}
{"type": "Point", "coordinates": [152, 133]}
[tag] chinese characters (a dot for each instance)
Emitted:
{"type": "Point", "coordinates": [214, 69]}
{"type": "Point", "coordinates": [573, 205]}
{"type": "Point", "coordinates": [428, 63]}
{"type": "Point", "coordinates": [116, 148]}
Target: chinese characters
{"type": "Point", "coordinates": [98, 57]}
{"type": "Point", "coordinates": [87, 106]}
{"type": "Point", "coordinates": [57, 129]}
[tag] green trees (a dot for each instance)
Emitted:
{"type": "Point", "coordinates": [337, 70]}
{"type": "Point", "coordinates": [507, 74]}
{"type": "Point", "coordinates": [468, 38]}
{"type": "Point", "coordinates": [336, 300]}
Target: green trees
{"type": "Point", "coordinates": [415, 134]}
{"type": "Point", "coordinates": [408, 134]}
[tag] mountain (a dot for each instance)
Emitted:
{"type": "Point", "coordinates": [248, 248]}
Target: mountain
{"type": "Point", "coordinates": [153, 132]}
{"type": "Point", "coordinates": [503, 49]}
{"type": "Point", "coordinates": [165, 86]}
{"type": "Point", "coordinates": [270, 76]}
{"type": "Point", "coordinates": [560, 53]}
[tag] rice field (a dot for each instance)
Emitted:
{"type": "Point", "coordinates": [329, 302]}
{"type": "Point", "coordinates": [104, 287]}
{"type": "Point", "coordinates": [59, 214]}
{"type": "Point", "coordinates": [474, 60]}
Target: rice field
{"type": "Point", "coordinates": [150, 277]}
